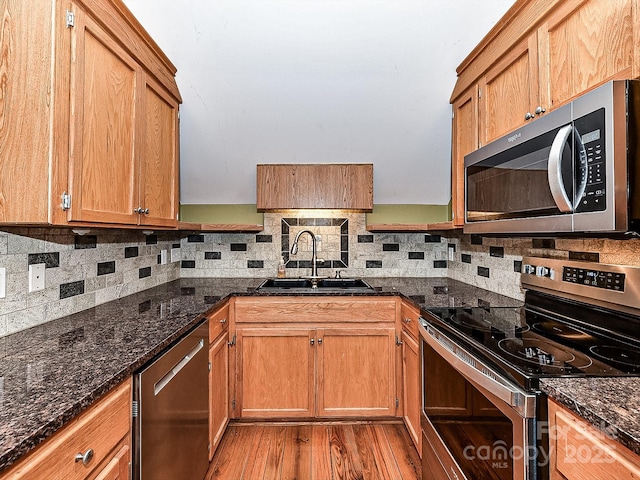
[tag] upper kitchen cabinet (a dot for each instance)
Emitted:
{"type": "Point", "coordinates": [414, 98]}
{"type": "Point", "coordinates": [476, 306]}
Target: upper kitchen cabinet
{"type": "Point", "coordinates": [539, 56]}
{"type": "Point", "coordinates": [585, 44]}
{"type": "Point", "coordinates": [89, 130]}
{"type": "Point", "coordinates": [329, 186]}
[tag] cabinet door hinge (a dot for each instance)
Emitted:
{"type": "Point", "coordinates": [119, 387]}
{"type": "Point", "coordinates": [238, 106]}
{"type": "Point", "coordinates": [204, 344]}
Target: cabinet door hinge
{"type": "Point", "coordinates": [66, 201]}
{"type": "Point", "coordinates": [397, 403]}
{"type": "Point", "coordinates": [233, 404]}
{"type": "Point", "coordinates": [233, 341]}
{"type": "Point", "coordinates": [479, 93]}
{"type": "Point", "coordinates": [134, 409]}
{"type": "Point", "coordinates": [71, 19]}
{"type": "Point", "coordinates": [209, 366]}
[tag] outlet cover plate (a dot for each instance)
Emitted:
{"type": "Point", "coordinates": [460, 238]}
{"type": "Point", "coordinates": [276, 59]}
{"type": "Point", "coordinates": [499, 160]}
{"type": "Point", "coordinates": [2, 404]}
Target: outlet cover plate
{"type": "Point", "coordinates": [36, 277]}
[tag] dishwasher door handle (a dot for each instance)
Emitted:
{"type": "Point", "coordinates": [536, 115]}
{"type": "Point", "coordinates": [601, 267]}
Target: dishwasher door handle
{"type": "Point", "coordinates": [166, 378]}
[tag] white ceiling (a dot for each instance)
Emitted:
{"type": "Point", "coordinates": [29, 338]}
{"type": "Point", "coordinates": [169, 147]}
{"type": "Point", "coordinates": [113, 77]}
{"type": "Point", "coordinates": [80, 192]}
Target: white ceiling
{"type": "Point", "coordinates": [316, 81]}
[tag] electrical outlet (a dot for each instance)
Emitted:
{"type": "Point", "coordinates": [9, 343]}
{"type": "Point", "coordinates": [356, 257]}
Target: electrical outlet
{"type": "Point", "coordinates": [3, 282]}
{"type": "Point", "coordinates": [452, 253]}
{"type": "Point", "coordinates": [175, 255]}
{"type": "Point", "coordinates": [163, 257]}
{"type": "Point", "coordinates": [36, 277]}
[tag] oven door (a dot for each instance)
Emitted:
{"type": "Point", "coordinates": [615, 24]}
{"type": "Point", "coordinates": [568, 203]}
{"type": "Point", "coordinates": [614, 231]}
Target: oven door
{"type": "Point", "coordinates": [474, 423]}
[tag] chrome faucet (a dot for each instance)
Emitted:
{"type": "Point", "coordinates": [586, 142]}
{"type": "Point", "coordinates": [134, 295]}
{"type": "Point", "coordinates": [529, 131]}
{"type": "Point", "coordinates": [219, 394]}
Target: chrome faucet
{"type": "Point", "coordinates": [314, 252]}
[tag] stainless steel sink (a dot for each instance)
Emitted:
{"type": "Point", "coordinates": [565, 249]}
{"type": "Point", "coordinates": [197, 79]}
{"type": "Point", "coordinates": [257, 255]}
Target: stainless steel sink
{"type": "Point", "coordinates": [321, 285]}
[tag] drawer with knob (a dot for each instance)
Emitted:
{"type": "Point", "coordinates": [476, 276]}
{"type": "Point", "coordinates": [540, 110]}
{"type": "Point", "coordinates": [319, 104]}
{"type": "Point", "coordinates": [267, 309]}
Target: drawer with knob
{"type": "Point", "coordinates": [89, 442]}
{"type": "Point", "coordinates": [218, 322]}
{"type": "Point", "coordinates": [409, 317]}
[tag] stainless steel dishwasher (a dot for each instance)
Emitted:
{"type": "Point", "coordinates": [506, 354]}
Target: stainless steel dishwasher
{"type": "Point", "coordinates": [171, 425]}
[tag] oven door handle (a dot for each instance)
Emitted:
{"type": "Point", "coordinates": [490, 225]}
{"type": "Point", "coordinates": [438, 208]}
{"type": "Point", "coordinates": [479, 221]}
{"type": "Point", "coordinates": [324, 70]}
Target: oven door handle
{"type": "Point", "coordinates": [478, 373]}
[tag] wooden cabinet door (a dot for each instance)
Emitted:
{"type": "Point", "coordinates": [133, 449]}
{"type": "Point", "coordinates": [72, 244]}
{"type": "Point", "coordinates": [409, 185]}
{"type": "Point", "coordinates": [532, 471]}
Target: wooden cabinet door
{"type": "Point", "coordinates": [275, 369]}
{"type": "Point", "coordinates": [159, 157]}
{"type": "Point", "coordinates": [118, 466]}
{"type": "Point", "coordinates": [580, 451]}
{"type": "Point", "coordinates": [509, 91]}
{"type": "Point", "coordinates": [465, 140]}
{"type": "Point", "coordinates": [356, 372]}
{"type": "Point", "coordinates": [218, 392]}
{"type": "Point", "coordinates": [105, 102]}
{"type": "Point", "coordinates": [411, 388]}
{"type": "Point", "coordinates": [586, 44]}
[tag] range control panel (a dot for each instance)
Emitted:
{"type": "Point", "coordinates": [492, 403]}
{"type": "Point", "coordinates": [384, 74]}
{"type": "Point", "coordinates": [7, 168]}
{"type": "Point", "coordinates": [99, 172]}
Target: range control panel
{"type": "Point", "coordinates": [588, 282]}
{"type": "Point", "coordinates": [594, 278]}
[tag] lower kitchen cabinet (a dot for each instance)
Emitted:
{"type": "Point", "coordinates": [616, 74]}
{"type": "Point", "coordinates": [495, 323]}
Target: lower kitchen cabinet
{"type": "Point", "coordinates": [218, 376]}
{"type": "Point", "coordinates": [356, 372]}
{"type": "Point", "coordinates": [96, 445]}
{"type": "Point", "coordinates": [411, 379]}
{"type": "Point", "coordinates": [275, 372]}
{"type": "Point", "coordinates": [579, 451]}
{"type": "Point", "coordinates": [411, 387]}
{"type": "Point", "coordinates": [311, 357]}
{"type": "Point", "coordinates": [297, 372]}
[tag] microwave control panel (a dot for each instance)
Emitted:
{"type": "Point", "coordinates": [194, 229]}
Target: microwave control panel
{"type": "Point", "coordinates": [592, 136]}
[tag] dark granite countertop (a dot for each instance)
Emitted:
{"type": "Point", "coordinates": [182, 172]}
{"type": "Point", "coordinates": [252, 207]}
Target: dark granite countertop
{"type": "Point", "coordinates": [610, 404]}
{"type": "Point", "coordinates": [51, 373]}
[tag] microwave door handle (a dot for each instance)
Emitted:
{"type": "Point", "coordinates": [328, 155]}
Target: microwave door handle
{"type": "Point", "coordinates": [554, 170]}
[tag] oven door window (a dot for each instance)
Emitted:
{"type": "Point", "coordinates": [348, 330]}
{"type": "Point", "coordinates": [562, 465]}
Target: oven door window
{"type": "Point", "coordinates": [478, 436]}
{"type": "Point", "coordinates": [515, 182]}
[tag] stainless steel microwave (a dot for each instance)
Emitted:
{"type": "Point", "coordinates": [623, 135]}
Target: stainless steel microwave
{"type": "Point", "coordinates": [572, 170]}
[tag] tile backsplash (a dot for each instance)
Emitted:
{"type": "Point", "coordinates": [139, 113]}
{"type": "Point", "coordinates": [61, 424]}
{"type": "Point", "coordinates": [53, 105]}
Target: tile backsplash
{"type": "Point", "coordinates": [344, 244]}
{"type": "Point", "coordinates": [84, 271]}
{"type": "Point", "coordinates": [80, 271]}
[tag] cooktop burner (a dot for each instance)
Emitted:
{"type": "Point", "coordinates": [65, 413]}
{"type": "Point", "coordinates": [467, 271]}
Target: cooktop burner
{"type": "Point", "coordinates": [544, 353]}
{"type": "Point", "coordinates": [554, 328]}
{"type": "Point", "coordinates": [617, 354]}
{"type": "Point", "coordinates": [531, 342]}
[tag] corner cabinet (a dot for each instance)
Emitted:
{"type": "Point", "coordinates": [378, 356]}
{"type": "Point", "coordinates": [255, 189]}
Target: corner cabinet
{"type": "Point", "coordinates": [92, 132]}
{"type": "Point", "coordinates": [312, 357]}
{"type": "Point", "coordinates": [539, 56]}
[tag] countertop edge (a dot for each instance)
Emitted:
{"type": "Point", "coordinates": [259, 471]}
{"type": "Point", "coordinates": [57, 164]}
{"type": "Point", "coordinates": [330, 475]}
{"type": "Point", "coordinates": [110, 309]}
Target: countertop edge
{"type": "Point", "coordinates": [595, 419]}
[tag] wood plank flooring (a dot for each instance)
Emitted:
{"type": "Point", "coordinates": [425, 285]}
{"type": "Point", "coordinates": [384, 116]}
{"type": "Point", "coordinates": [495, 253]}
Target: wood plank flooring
{"type": "Point", "coordinates": [315, 451]}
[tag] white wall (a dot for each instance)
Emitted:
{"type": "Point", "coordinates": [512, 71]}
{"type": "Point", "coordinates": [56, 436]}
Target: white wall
{"type": "Point", "coordinates": [311, 81]}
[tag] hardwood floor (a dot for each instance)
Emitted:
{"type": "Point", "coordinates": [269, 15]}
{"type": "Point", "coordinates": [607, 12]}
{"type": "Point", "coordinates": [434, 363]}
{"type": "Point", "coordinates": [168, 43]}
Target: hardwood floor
{"type": "Point", "coordinates": [316, 451]}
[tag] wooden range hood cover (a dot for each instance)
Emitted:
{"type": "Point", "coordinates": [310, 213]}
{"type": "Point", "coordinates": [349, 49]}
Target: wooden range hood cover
{"type": "Point", "coordinates": [344, 186]}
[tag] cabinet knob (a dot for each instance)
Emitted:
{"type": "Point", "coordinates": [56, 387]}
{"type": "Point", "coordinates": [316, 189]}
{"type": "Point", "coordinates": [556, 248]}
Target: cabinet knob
{"type": "Point", "coordinates": [312, 341]}
{"type": "Point", "coordinates": [319, 341]}
{"type": "Point", "coordinates": [85, 457]}
{"type": "Point", "coordinates": [539, 110]}
{"type": "Point", "coordinates": [224, 320]}
{"type": "Point", "coordinates": [145, 211]}
{"type": "Point", "coordinates": [529, 116]}
{"type": "Point", "coordinates": [407, 320]}
{"type": "Point", "coordinates": [137, 210]}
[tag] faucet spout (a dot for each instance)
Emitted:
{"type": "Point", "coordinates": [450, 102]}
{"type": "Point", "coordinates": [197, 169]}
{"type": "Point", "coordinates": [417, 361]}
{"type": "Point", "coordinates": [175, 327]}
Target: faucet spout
{"type": "Point", "coordinates": [314, 251]}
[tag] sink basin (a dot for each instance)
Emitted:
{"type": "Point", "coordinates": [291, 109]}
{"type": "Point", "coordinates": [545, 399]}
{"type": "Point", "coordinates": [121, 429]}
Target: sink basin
{"type": "Point", "coordinates": [306, 285]}
{"type": "Point", "coordinates": [342, 283]}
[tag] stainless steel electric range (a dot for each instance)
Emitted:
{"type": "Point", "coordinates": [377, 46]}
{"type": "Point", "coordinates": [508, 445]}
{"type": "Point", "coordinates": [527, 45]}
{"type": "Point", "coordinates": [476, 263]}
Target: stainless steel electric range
{"type": "Point", "coordinates": [483, 413]}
